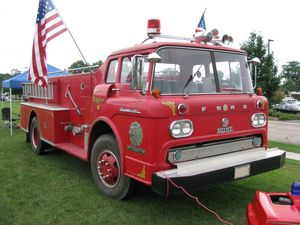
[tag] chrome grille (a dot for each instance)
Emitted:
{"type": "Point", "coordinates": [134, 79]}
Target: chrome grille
{"type": "Point", "coordinates": [185, 153]}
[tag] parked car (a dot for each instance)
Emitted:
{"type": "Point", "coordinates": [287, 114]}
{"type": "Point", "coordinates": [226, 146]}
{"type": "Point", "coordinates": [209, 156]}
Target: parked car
{"type": "Point", "coordinates": [289, 105]}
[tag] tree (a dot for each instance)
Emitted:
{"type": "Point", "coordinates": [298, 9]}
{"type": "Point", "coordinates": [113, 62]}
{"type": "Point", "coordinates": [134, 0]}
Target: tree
{"type": "Point", "coordinates": [75, 66]}
{"type": "Point", "coordinates": [278, 96]}
{"type": "Point", "coordinates": [291, 76]}
{"type": "Point", "coordinates": [266, 72]}
{"type": "Point", "coordinates": [99, 63]}
{"type": "Point", "coordinates": [4, 77]}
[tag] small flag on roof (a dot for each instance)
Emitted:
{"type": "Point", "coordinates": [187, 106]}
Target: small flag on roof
{"type": "Point", "coordinates": [49, 25]}
{"type": "Point", "coordinates": [201, 24]}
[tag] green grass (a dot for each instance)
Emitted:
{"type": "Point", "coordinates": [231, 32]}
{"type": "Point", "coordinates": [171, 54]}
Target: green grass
{"type": "Point", "coordinates": [284, 116]}
{"type": "Point", "coordinates": [57, 188]}
{"type": "Point", "coordinates": [283, 146]}
{"type": "Point", "coordinates": [15, 106]}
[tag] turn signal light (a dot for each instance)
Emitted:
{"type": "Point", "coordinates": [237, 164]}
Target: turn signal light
{"type": "Point", "coordinates": [259, 91]}
{"type": "Point", "coordinates": [155, 92]}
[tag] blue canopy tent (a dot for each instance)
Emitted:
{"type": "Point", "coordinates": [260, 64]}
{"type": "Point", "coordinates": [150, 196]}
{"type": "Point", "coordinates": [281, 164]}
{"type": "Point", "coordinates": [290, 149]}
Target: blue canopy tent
{"type": "Point", "coordinates": [16, 82]}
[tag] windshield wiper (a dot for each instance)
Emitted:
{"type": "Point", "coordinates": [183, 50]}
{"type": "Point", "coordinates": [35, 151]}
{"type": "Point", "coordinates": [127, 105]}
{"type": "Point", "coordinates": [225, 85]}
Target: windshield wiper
{"type": "Point", "coordinates": [188, 81]}
{"type": "Point", "coordinates": [191, 78]}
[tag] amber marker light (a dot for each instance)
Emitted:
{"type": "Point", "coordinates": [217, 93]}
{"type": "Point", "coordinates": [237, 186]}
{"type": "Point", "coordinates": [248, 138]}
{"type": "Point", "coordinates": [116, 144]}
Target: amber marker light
{"type": "Point", "coordinates": [259, 91]}
{"type": "Point", "coordinates": [155, 92]}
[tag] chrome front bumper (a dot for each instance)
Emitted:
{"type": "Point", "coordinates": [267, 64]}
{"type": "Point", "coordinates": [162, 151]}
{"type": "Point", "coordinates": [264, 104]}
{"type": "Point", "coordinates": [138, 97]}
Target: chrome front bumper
{"type": "Point", "coordinates": [202, 173]}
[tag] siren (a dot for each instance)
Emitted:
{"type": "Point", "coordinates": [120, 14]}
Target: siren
{"type": "Point", "coordinates": [153, 28]}
{"type": "Point", "coordinates": [203, 36]}
{"type": "Point", "coordinates": [215, 33]}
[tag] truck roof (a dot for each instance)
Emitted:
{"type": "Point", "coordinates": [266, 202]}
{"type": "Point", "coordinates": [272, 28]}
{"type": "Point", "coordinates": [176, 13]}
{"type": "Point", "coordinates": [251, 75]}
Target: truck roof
{"type": "Point", "coordinates": [156, 45]}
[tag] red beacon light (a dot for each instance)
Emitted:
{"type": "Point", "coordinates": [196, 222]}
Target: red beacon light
{"type": "Point", "coordinates": [153, 27]}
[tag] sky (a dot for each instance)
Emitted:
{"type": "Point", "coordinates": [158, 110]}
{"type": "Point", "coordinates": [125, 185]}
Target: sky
{"type": "Point", "coordinates": [101, 27]}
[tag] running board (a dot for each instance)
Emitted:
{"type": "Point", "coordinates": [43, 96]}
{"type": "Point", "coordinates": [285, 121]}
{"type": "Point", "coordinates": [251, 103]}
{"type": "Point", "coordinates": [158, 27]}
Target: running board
{"type": "Point", "coordinates": [74, 150]}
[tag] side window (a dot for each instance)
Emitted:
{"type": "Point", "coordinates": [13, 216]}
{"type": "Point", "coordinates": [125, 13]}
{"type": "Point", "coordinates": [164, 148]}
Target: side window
{"type": "Point", "coordinates": [126, 72]}
{"type": "Point", "coordinates": [112, 72]}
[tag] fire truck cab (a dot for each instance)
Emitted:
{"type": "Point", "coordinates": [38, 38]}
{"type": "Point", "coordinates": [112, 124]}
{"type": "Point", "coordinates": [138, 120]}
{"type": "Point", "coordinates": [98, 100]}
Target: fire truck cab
{"type": "Point", "coordinates": [181, 109]}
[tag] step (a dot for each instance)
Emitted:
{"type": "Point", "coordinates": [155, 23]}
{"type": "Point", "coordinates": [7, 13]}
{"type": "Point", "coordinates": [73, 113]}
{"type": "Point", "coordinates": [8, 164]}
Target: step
{"type": "Point", "coordinates": [74, 150]}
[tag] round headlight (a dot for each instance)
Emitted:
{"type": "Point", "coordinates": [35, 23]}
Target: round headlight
{"type": "Point", "coordinates": [176, 129]}
{"type": "Point", "coordinates": [261, 119]}
{"type": "Point", "coordinates": [181, 128]}
{"type": "Point", "coordinates": [255, 120]}
{"type": "Point", "coordinates": [186, 127]}
{"type": "Point", "coordinates": [258, 120]}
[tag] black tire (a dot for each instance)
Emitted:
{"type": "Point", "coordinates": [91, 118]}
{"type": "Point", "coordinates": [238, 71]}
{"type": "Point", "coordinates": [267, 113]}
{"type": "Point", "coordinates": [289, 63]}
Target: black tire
{"type": "Point", "coordinates": [37, 145]}
{"type": "Point", "coordinates": [106, 168]}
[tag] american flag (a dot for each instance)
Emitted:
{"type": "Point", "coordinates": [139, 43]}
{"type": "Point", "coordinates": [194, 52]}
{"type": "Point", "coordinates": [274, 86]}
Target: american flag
{"type": "Point", "coordinates": [201, 23]}
{"type": "Point", "coordinates": [48, 26]}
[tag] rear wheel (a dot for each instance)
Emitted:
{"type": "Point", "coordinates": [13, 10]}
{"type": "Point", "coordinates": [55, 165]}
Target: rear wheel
{"type": "Point", "coordinates": [107, 168]}
{"type": "Point", "coordinates": [37, 145]}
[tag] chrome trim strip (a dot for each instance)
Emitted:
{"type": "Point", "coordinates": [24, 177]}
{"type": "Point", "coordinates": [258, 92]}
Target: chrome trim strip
{"type": "Point", "coordinates": [43, 106]}
{"type": "Point", "coordinates": [127, 110]}
{"type": "Point", "coordinates": [211, 150]}
{"type": "Point", "coordinates": [215, 93]}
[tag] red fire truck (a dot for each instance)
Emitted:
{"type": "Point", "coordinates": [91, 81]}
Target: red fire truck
{"type": "Point", "coordinates": [170, 108]}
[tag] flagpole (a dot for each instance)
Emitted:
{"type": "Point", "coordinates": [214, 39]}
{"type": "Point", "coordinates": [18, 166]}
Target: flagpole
{"type": "Point", "coordinates": [2, 98]}
{"type": "Point", "coordinates": [10, 105]}
{"type": "Point", "coordinates": [73, 38]}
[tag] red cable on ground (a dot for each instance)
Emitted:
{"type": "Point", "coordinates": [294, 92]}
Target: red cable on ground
{"type": "Point", "coordinates": [197, 200]}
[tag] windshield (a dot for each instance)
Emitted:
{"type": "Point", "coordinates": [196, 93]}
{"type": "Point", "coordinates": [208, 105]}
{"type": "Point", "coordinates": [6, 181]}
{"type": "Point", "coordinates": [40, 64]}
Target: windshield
{"type": "Point", "coordinates": [191, 71]}
{"type": "Point", "coordinates": [233, 73]}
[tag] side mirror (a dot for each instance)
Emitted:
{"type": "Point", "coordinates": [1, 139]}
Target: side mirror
{"type": "Point", "coordinates": [140, 67]}
{"type": "Point", "coordinates": [137, 71]}
{"type": "Point", "coordinates": [255, 62]}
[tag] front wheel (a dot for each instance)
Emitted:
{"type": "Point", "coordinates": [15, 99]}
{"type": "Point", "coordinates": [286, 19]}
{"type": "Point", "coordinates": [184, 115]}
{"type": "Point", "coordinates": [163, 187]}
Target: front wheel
{"type": "Point", "coordinates": [107, 168]}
